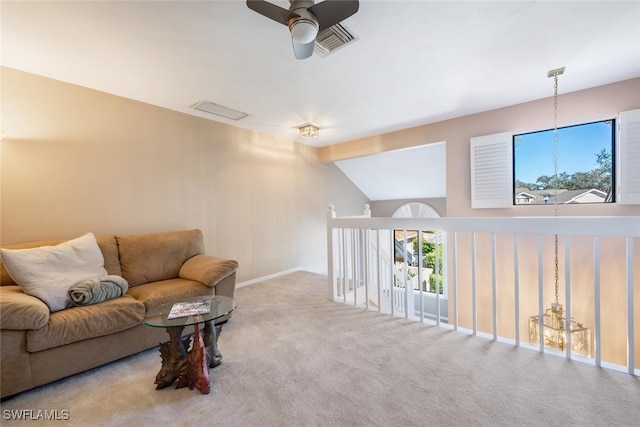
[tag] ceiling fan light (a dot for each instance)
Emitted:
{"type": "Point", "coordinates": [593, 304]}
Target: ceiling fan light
{"type": "Point", "coordinates": [309, 131]}
{"type": "Point", "coordinates": [303, 30]}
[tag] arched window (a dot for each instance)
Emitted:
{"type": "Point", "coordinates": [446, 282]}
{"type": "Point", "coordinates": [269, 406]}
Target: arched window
{"type": "Point", "coordinates": [415, 210]}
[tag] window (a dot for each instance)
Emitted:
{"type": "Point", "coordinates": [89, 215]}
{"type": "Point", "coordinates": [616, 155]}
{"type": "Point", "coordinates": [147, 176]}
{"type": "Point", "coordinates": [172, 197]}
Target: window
{"type": "Point", "coordinates": [495, 184]}
{"type": "Point", "coordinates": [585, 165]}
{"type": "Point", "coordinates": [431, 241]}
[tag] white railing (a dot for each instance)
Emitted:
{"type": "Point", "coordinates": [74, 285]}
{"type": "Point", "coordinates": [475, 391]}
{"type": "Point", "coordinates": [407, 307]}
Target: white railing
{"type": "Point", "coordinates": [499, 274]}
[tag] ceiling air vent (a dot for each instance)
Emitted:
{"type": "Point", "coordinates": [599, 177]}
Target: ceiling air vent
{"type": "Point", "coordinates": [333, 38]}
{"type": "Point", "coordinates": [219, 110]}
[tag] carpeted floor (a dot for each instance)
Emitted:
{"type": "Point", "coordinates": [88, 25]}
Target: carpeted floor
{"type": "Point", "coordinates": [293, 358]}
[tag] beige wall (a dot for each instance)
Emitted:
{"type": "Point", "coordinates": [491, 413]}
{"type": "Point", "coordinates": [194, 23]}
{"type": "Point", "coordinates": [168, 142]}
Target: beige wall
{"type": "Point", "coordinates": [78, 160]}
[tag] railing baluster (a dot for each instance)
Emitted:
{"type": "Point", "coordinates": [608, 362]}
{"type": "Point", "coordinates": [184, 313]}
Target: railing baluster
{"type": "Point", "coordinates": [367, 276]}
{"type": "Point", "coordinates": [392, 284]}
{"type": "Point", "coordinates": [354, 264]}
{"type": "Point", "coordinates": [379, 270]}
{"type": "Point", "coordinates": [494, 294]}
{"type": "Point", "coordinates": [405, 275]}
{"type": "Point", "coordinates": [358, 264]}
{"type": "Point", "coordinates": [630, 329]}
{"type": "Point", "coordinates": [455, 280]}
{"type": "Point", "coordinates": [338, 268]}
{"type": "Point", "coordinates": [516, 290]}
{"type": "Point", "coordinates": [596, 293]}
{"type": "Point", "coordinates": [437, 277]}
{"type": "Point", "coordinates": [330, 254]}
{"type": "Point", "coordinates": [344, 265]}
{"type": "Point", "coordinates": [567, 292]}
{"type": "Point", "coordinates": [474, 303]}
{"type": "Point", "coordinates": [540, 296]}
{"type": "Point", "coordinates": [420, 263]}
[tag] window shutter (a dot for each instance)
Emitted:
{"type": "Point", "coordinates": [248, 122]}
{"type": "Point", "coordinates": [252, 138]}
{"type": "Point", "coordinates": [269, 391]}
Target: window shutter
{"type": "Point", "coordinates": [628, 158]}
{"type": "Point", "coordinates": [492, 171]}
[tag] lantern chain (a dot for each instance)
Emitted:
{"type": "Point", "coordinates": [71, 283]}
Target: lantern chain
{"type": "Point", "coordinates": [555, 171]}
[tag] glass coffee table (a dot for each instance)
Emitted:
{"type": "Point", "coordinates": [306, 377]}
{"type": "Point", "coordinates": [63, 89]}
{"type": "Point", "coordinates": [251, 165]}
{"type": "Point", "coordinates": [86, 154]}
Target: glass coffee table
{"type": "Point", "coordinates": [190, 368]}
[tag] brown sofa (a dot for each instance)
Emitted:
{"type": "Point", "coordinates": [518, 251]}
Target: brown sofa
{"type": "Point", "coordinates": [38, 347]}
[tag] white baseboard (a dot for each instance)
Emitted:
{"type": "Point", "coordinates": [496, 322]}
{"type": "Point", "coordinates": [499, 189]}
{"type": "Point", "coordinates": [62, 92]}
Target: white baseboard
{"type": "Point", "coordinates": [270, 276]}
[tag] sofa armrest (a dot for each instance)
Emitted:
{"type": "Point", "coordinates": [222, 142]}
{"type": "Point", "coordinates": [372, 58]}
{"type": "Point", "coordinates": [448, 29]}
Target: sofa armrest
{"type": "Point", "coordinates": [207, 269]}
{"type": "Point", "coordinates": [21, 311]}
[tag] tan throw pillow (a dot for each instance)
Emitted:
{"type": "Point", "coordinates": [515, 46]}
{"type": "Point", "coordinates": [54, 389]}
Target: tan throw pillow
{"type": "Point", "coordinates": [48, 272]}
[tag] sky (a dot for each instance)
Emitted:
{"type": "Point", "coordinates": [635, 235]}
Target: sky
{"type": "Point", "coordinates": [577, 148]}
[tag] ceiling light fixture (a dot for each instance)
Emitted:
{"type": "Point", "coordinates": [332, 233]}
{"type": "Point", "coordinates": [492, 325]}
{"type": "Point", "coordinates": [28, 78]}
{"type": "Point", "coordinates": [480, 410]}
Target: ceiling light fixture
{"type": "Point", "coordinates": [309, 131]}
{"type": "Point", "coordinates": [303, 30]}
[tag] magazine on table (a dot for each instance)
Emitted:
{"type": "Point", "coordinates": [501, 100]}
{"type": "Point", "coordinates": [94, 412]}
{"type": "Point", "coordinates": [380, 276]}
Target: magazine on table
{"type": "Point", "coordinates": [190, 308]}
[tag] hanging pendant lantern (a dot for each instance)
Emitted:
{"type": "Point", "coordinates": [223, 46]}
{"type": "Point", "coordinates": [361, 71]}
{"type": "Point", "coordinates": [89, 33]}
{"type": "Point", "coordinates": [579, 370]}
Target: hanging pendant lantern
{"type": "Point", "coordinates": [553, 327]}
{"type": "Point", "coordinates": [555, 332]}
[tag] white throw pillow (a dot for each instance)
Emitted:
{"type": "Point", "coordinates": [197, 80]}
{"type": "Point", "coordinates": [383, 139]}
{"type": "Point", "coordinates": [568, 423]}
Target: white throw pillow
{"type": "Point", "coordinates": [47, 272]}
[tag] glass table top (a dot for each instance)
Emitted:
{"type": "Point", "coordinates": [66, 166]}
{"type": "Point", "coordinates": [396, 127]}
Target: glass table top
{"type": "Point", "coordinates": [219, 306]}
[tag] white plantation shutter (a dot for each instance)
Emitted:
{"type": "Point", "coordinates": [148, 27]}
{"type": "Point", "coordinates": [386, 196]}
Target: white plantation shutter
{"type": "Point", "coordinates": [628, 158]}
{"type": "Point", "coordinates": [492, 171]}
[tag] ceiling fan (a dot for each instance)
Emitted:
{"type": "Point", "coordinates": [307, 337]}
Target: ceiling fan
{"type": "Point", "coordinates": [305, 19]}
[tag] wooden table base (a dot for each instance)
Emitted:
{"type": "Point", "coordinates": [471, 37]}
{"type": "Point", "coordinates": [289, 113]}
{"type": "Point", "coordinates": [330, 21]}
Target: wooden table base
{"type": "Point", "coordinates": [190, 369]}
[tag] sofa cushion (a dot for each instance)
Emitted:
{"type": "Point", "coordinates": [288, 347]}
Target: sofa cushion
{"type": "Point", "coordinates": [165, 291]}
{"type": "Point", "coordinates": [21, 311]}
{"type": "Point", "coordinates": [107, 245]}
{"type": "Point", "coordinates": [109, 248]}
{"type": "Point", "coordinates": [208, 269]}
{"type": "Point", "coordinates": [146, 258]}
{"type": "Point", "coordinates": [81, 323]}
{"type": "Point", "coordinates": [47, 272]}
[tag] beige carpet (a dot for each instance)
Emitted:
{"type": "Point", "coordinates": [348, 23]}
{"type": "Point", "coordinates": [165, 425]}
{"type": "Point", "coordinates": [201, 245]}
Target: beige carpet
{"type": "Point", "coordinates": [293, 358]}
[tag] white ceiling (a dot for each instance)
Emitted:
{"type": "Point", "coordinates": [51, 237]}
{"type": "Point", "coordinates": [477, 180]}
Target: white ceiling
{"type": "Point", "coordinates": [415, 62]}
{"type": "Point", "coordinates": [408, 173]}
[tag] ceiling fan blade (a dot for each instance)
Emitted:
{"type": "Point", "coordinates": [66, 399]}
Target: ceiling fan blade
{"type": "Point", "coordinates": [271, 11]}
{"type": "Point", "coordinates": [303, 50]}
{"type": "Point", "coordinates": [330, 12]}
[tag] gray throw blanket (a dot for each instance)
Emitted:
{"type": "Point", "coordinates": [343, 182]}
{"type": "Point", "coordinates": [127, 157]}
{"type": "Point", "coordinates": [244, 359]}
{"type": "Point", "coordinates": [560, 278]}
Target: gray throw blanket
{"type": "Point", "coordinates": [93, 291]}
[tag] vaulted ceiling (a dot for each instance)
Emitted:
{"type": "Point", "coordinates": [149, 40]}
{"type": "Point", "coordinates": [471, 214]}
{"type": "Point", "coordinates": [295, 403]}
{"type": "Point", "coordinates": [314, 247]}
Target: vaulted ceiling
{"type": "Point", "coordinates": [414, 62]}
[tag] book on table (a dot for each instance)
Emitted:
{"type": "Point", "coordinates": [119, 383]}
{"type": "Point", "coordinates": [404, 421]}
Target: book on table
{"type": "Point", "coordinates": [190, 308]}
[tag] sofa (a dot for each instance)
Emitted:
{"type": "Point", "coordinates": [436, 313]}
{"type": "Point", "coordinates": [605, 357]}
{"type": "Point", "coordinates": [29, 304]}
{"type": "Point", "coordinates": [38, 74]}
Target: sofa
{"type": "Point", "coordinates": [38, 346]}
